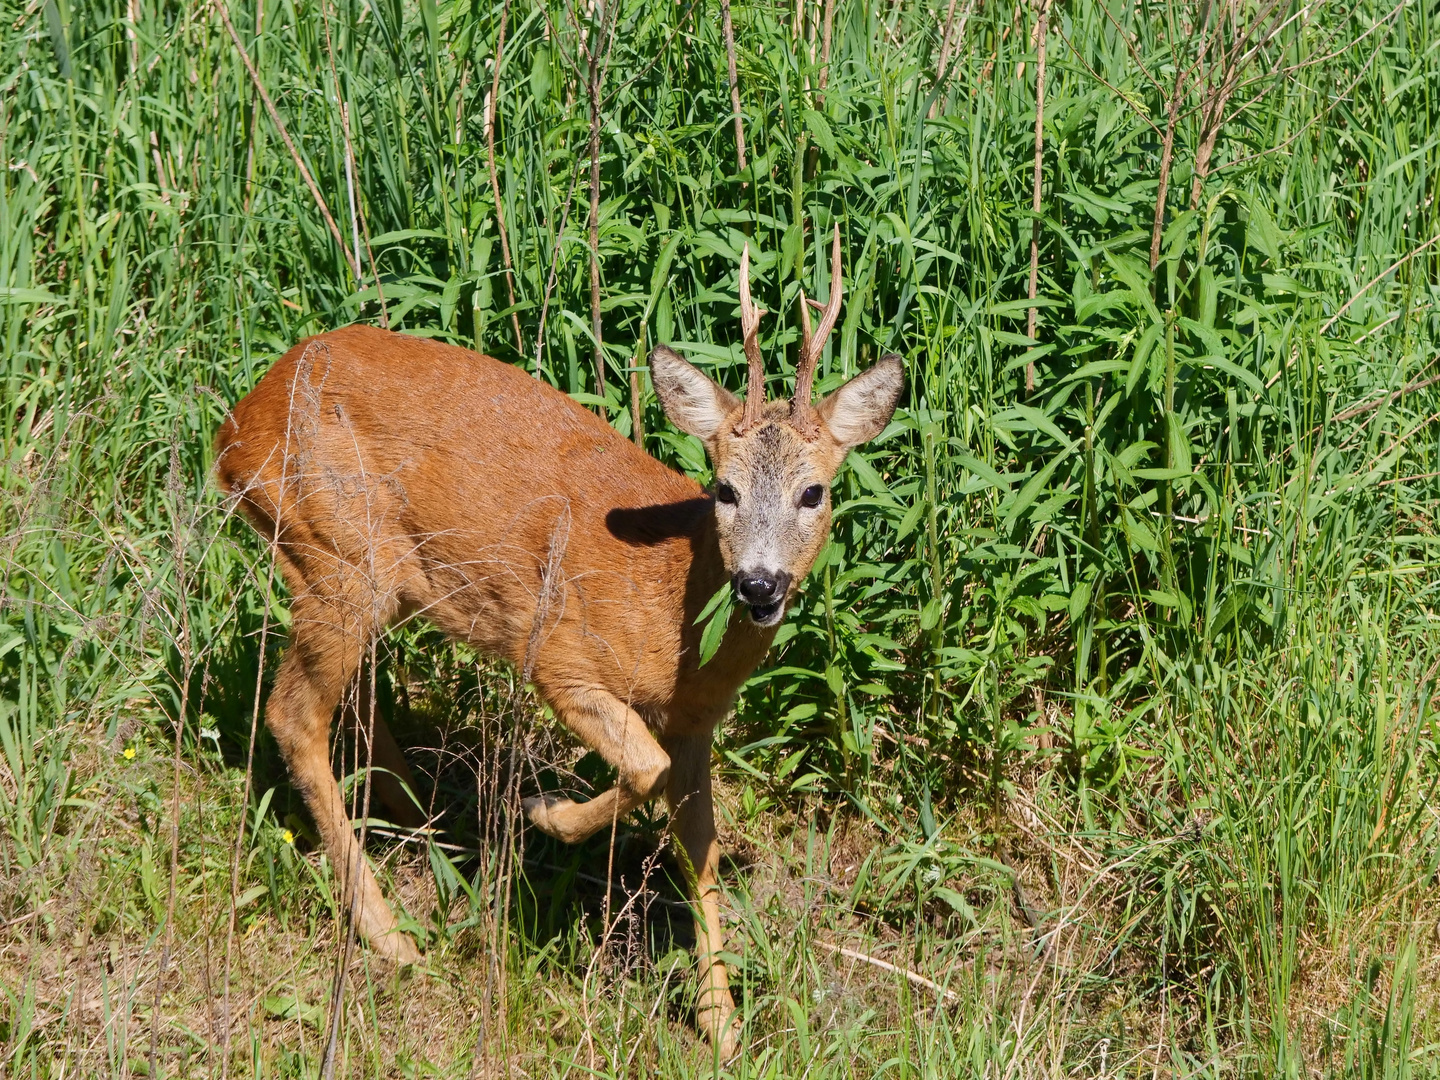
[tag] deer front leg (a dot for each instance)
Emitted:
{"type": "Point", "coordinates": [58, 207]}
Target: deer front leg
{"type": "Point", "coordinates": [693, 822]}
{"type": "Point", "coordinates": [617, 733]}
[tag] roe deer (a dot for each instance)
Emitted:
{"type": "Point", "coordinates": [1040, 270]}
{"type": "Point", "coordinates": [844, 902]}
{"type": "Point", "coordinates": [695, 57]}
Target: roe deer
{"type": "Point", "coordinates": [396, 476]}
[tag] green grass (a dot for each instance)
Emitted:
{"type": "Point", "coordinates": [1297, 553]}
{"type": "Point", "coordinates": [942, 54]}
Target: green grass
{"type": "Point", "coordinates": [1145, 655]}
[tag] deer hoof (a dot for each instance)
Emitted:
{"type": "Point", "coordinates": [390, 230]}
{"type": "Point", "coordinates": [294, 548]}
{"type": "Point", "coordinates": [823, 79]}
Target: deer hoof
{"type": "Point", "coordinates": [545, 813]}
{"type": "Point", "coordinates": [396, 947]}
{"type": "Point", "coordinates": [722, 1028]}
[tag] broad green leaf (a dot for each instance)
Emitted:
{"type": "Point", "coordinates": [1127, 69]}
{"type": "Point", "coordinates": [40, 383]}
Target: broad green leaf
{"type": "Point", "coordinates": [716, 617]}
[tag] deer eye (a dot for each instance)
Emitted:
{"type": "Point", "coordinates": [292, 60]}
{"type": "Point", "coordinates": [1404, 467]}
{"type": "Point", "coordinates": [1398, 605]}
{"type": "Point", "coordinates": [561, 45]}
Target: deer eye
{"type": "Point", "coordinates": [812, 496]}
{"type": "Point", "coordinates": [725, 493]}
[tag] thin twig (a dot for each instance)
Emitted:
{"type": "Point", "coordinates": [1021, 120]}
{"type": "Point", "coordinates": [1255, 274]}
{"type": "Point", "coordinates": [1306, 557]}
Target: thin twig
{"type": "Point", "coordinates": [249, 105]}
{"type": "Point", "coordinates": [825, 35]}
{"type": "Point", "coordinates": [1124, 36]}
{"type": "Point", "coordinates": [640, 73]}
{"type": "Point", "coordinates": [734, 85]}
{"type": "Point", "coordinates": [1167, 153]}
{"type": "Point", "coordinates": [1322, 115]}
{"type": "Point", "coordinates": [1042, 17]}
{"type": "Point", "coordinates": [601, 37]}
{"type": "Point", "coordinates": [1137, 108]}
{"type": "Point", "coordinates": [492, 103]}
{"type": "Point", "coordinates": [554, 266]}
{"type": "Point", "coordinates": [357, 206]}
{"type": "Point", "coordinates": [1394, 395]}
{"type": "Point", "coordinates": [285, 137]}
{"type": "Point", "coordinates": [1373, 281]}
{"type": "Point", "coordinates": [637, 413]}
{"type": "Point", "coordinates": [245, 807]}
{"type": "Point", "coordinates": [945, 44]}
{"type": "Point", "coordinates": [1408, 479]}
{"type": "Point", "coordinates": [596, 327]}
{"type": "Point", "coordinates": [364, 743]}
{"type": "Point", "coordinates": [913, 977]}
{"type": "Point", "coordinates": [1213, 118]}
{"type": "Point", "coordinates": [944, 54]}
{"type": "Point", "coordinates": [345, 131]}
{"type": "Point", "coordinates": [187, 668]}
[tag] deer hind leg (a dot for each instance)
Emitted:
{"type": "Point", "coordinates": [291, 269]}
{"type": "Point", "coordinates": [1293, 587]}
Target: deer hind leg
{"type": "Point", "coordinates": [329, 635]}
{"type": "Point", "coordinates": [390, 777]}
{"type": "Point", "coordinates": [611, 728]}
{"type": "Point", "coordinates": [693, 822]}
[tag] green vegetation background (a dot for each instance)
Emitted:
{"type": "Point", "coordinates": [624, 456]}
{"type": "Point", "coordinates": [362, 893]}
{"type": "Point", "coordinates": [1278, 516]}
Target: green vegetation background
{"type": "Point", "coordinates": [1109, 709]}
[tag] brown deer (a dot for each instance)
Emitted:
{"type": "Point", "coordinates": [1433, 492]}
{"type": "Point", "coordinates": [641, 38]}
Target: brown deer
{"type": "Point", "coordinates": [396, 476]}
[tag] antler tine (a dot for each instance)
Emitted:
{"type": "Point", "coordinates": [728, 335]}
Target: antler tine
{"type": "Point", "coordinates": [750, 327]}
{"type": "Point", "coordinates": [814, 344]}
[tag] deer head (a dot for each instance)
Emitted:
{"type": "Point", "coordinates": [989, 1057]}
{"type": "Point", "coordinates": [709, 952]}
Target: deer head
{"type": "Point", "coordinates": [774, 461]}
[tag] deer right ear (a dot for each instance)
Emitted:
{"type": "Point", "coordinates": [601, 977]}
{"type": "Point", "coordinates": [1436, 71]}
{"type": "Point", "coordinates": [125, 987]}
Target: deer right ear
{"type": "Point", "coordinates": [695, 403]}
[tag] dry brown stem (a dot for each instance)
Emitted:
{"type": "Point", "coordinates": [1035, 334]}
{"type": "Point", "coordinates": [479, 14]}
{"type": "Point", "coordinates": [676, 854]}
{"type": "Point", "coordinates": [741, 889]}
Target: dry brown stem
{"type": "Point", "coordinates": [285, 137]}
{"type": "Point", "coordinates": [1042, 20]}
{"type": "Point", "coordinates": [600, 40]}
{"type": "Point", "coordinates": [492, 102]}
{"type": "Point", "coordinates": [734, 85]}
{"type": "Point", "coordinates": [826, 32]}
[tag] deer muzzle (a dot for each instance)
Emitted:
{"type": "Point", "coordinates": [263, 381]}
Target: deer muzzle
{"type": "Point", "coordinates": [763, 592]}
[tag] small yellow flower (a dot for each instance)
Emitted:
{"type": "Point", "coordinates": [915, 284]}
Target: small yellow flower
{"type": "Point", "coordinates": [129, 753]}
{"type": "Point", "coordinates": [288, 837]}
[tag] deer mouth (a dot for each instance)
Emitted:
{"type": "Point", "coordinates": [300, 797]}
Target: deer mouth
{"type": "Point", "coordinates": [766, 614]}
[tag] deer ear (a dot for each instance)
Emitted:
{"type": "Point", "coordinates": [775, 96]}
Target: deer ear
{"type": "Point", "coordinates": [695, 403]}
{"type": "Point", "coordinates": [860, 409]}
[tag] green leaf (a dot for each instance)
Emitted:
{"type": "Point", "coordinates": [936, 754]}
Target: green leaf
{"type": "Point", "coordinates": [1096, 367]}
{"type": "Point", "coordinates": [1249, 378]}
{"type": "Point", "coordinates": [540, 74]}
{"type": "Point", "coordinates": [660, 274]}
{"type": "Point", "coordinates": [1179, 444]}
{"type": "Point", "coordinates": [930, 614]}
{"type": "Point", "coordinates": [819, 127]}
{"type": "Point", "coordinates": [1031, 491]}
{"type": "Point", "coordinates": [1080, 599]}
{"type": "Point", "coordinates": [904, 529]}
{"type": "Point", "coordinates": [10, 295]}
{"type": "Point", "coordinates": [1261, 232]}
{"type": "Point", "coordinates": [1206, 295]}
{"type": "Point", "coordinates": [292, 1008]}
{"type": "Point", "coordinates": [866, 474]}
{"type": "Point", "coordinates": [957, 903]}
{"type": "Point", "coordinates": [1142, 354]}
{"type": "Point", "coordinates": [1016, 308]}
{"type": "Point", "coordinates": [718, 610]}
{"type": "Point", "coordinates": [1137, 276]}
{"type": "Point", "coordinates": [11, 641]}
{"type": "Point", "coordinates": [980, 469]}
{"type": "Point", "coordinates": [1138, 533]}
{"type": "Point", "coordinates": [1032, 418]}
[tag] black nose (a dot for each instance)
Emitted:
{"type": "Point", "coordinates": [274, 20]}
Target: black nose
{"type": "Point", "coordinates": [760, 587]}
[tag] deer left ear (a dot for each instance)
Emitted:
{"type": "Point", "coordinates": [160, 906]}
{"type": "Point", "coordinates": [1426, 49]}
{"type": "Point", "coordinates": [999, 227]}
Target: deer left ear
{"type": "Point", "coordinates": [860, 409]}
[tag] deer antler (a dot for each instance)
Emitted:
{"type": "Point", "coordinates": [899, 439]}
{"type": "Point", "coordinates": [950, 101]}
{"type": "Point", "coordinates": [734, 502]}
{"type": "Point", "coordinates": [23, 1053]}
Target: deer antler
{"type": "Point", "coordinates": [750, 326]}
{"type": "Point", "coordinates": [802, 416]}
